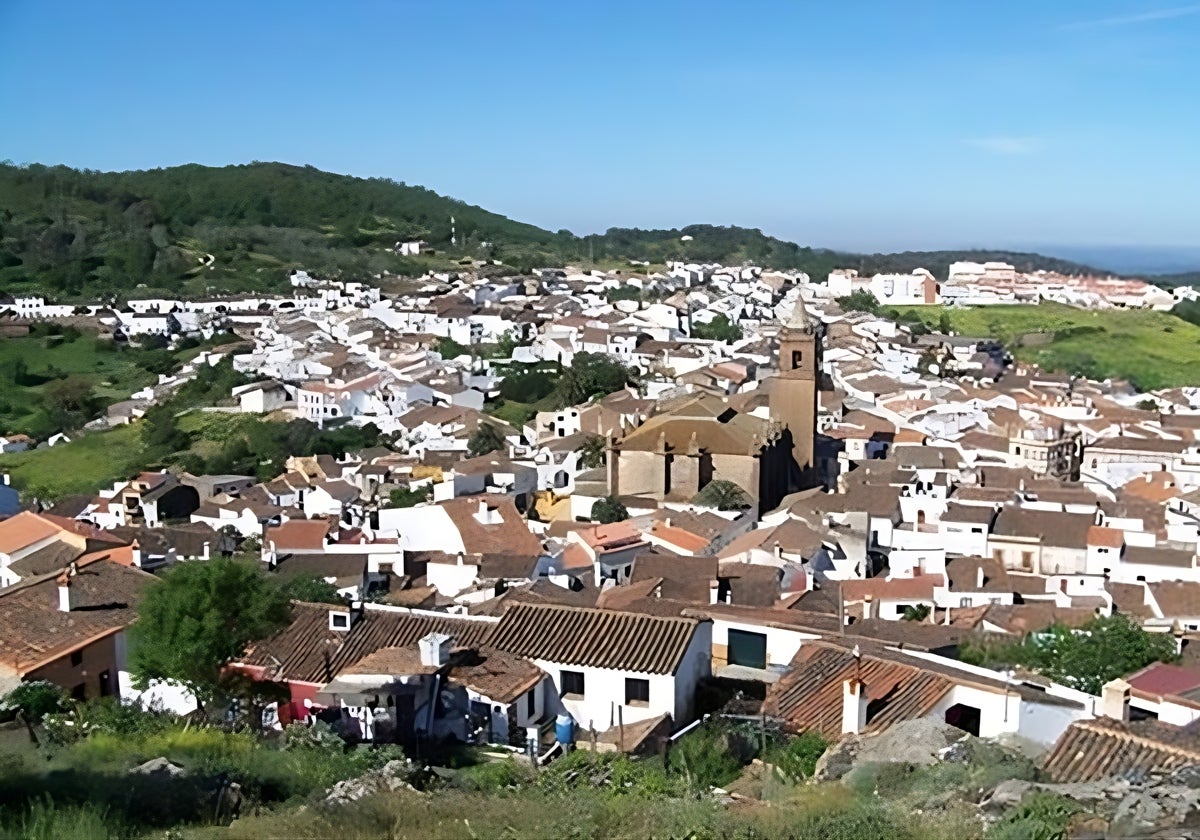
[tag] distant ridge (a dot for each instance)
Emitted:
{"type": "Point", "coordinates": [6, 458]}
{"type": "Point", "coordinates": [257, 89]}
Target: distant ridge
{"type": "Point", "coordinates": [197, 230]}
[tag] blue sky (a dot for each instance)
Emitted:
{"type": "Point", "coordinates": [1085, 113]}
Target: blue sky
{"type": "Point", "coordinates": [868, 125]}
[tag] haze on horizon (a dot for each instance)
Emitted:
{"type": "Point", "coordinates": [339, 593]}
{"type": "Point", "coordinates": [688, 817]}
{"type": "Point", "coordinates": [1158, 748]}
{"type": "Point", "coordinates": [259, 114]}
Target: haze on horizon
{"type": "Point", "coordinates": [868, 126]}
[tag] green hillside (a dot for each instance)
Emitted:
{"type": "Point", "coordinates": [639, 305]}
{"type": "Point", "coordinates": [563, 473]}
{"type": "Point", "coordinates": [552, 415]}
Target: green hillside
{"type": "Point", "coordinates": [199, 230]}
{"type": "Point", "coordinates": [1151, 349]}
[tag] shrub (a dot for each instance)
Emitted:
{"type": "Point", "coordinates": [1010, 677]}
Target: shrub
{"type": "Point", "coordinates": [608, 510]}
{"type": "Point", "coordinates": [34, 700]}
{"type": "Point", "coordinates": [798, 757]}
{"type": "Point", "coordinates": [1039, 816]}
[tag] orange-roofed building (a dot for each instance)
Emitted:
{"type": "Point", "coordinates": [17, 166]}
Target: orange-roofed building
{"type": "Point", "coordinates": [612, 549]}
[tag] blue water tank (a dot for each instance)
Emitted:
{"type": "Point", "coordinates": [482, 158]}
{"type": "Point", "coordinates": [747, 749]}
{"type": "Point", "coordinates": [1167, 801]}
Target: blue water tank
{"type": "Point", "coordinates": [564, 730]}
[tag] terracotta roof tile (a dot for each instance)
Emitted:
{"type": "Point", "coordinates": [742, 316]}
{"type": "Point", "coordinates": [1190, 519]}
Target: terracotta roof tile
{"type": "Point", "coordinates": [595, 638]}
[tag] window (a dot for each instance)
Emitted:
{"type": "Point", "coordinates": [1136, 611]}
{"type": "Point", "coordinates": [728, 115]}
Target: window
{"type": "Point", "coordinates": [76, 658]}
{"type": "Point", "coordinates": [339, 621]}
{"type": "Point", "coordinates": [637, 692]}
{"type": "Point", "coordinates": [797, 358]}
{"type": "Point", "coordinates": [1027, 560]}
{"type": "Point", "coordinates": [531, 704]}
{"type": "Point", "coordinates": [964, 602]}
{"type": "Point", "coordinates": [748, 649]}
{"type": "Point", "coordinates": [572, 683]}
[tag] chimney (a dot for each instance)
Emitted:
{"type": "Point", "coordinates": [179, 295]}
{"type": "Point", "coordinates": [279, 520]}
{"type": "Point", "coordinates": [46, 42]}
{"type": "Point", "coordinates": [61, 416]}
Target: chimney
{"type": "Point", "coordinates": [854, 706]}
{"type": "Point", "coordinates": [4, 479]}
{"type": "Point", "coordinates": [1114, 700]}
{"type": "Point", "coordinates": [778, 550]}
{"type": "Point", "coordinates": [435, 650]}
{"type": "Point", "coordinates": [204, 555]}
{"type": "Point", "coordinates": [667, 522]}
{"type": "Point", "coordinates": [979, 576]}
{"type": "Point", "coordinates": [868, 607]}
{"type": "Point", "coordinates": [64, 589]}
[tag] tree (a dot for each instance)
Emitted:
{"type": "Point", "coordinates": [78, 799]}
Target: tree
{"type": "Point", "coordinates": [944, 325]}
{"type": "Point", "coordinates": [593, 452]}
{"type": "Point", "coordinates": [859, 301]}
{"type": "Point", "coordinates": [608, 510]}
{"type": "Point", "coordinates": [723, 495]}
{"type": "Point", "coordinates": [405, 497]}
{"type": "Point", "coordinates": [590, 375]}
{"type": "Point", "coordinates": [313, 590]}
{"type": "Point", "coordinates": [448, 348]}
{"type": "Point", "coordinates": [34, 700]}
{"type": "Point", "coordinates": [201, 617]}
{"type": "Point", "coordinates": [69, 401]}
{"type": "Point", "coordinates": [527, 386]}
{"type": "Point", "coordinates": [507, 343]}
{"type": "Point", "coordinates": [487, 438]}
{"type": "Point", "coordinates": [1101, 650]}
{"type": "Point", "coordinates": [719, 328]}
{"type": "Point", "coordinates": [1148, 404]}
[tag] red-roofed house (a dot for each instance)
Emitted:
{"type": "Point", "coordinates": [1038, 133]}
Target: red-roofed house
{"type": "Point", "coordinates": [612, 548]}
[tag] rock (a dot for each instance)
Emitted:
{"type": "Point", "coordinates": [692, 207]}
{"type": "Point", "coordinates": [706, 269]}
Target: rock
{"type": "Point", "coordinates": [1006, 794]}
{"type": "Point", "coordinates": [1137, 815]}
{"type": "Point", "coordinates": [837, 761]}
{"type": "Point", "coordinates": [159, 766]}
{"type": "Point", "coordinates": [1188, 776]}
{"type": "Point", "coordinates": [390, 777]}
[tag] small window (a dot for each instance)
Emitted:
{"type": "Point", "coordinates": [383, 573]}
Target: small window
{"type": "Point", "coordinates": [637, 692]}
{"type": "Point", "coordinates": [339, 621]}
{"type": "Point", "coordinates": [797, 358]}
{"type": "Point", "coordinates": [531, 704]}
{"type": "Point", "coordinates": [76, 658]}
{"type": "Point", "coordinates": [572, 683]}
{"type": "Point", "coordinates": [964, 602]}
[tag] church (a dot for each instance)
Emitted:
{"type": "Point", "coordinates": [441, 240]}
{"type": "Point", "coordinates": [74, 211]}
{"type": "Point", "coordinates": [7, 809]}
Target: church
{"type": "Point", "coordinates": [676, 454]}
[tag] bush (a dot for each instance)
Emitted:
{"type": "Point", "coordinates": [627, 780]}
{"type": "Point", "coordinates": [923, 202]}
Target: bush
{"type": "Point", "coordinates": [492, 776]}
{"type": "Point", "coordinates": [1039, 816]}
{"type": "Point", "coordinates": [608, 510]}
{"type": "Point", "coordinates": [527, 387]}
{"type": "Point", "coordinates": [798, 757]}
{"type": "Point", "coordinates": [34, 700]}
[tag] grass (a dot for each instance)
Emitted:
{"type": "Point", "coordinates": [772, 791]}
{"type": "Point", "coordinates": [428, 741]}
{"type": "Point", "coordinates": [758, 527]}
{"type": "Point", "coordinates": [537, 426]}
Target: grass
{"type": "Point", "coordinates": [113, 375]}
{"type": "Point", "coordinates": [90, 461]}
{"type": "Point", "coordinates": [1151, 349]}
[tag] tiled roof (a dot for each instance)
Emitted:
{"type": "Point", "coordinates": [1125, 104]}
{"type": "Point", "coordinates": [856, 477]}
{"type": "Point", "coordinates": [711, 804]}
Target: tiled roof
{"type": "Point", "coordinates": [1098, 535]}
{"type": "Point", "coordinates": [299, 535]}
{"type": "Point", "coordinates": [1162, 678]}
{"type": "Point", "coordinates": [52, 558]}
{"type": "Point", "coordinates": [308, 651]}
{"type": "Point", "coordinates": [510, 536]}
{"type": "Point", "coordinates": [498, 676]}
{"type": "Point", "coordinates": [809, 696]}
{"type": "Point", "coordinates": [1176, 598]}
{"type": "Point", "coordinates": [24, 529]}
{"type": "Point", "coordinates": [33, 631]}
{"type": "Point", "coordinates": [596, 638]}
{"type": "Point", "coordinates": [1096, 749]}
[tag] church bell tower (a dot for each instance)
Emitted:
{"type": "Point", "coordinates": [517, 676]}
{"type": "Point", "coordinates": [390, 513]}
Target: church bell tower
{"type": "Point", "coordinates": [794, 393]}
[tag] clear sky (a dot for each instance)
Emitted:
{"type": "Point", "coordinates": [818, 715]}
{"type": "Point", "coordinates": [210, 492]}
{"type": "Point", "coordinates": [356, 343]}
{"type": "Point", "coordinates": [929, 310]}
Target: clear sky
{"type": "Point", "coordinates": [868, 125]}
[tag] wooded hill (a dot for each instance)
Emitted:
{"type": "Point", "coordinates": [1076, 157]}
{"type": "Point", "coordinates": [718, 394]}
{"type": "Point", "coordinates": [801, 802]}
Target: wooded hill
{"type": "Point", "coordinates": [198, 230]}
